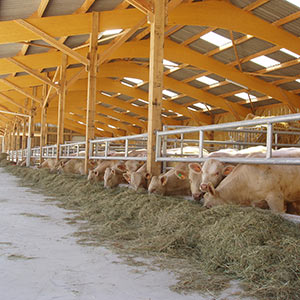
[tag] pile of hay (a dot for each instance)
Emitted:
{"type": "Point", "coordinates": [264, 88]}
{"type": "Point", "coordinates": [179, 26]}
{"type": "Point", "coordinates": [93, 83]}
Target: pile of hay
{"type": "Point", "coordinates": [281, 126]}
{"type": "Point", "coordinates": [260, 249]}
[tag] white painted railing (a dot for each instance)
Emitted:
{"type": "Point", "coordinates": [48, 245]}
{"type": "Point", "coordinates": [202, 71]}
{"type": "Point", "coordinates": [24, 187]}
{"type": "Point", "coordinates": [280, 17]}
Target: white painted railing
{"type": "Point", "coordinates": [164, 136]}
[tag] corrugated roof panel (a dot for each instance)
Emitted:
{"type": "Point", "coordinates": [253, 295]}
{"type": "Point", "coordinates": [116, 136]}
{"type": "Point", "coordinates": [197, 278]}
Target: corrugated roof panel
{"type": "Point", "coordinates": [76, 40]}
{"type": "Point", "coordinates": [250, 66]}
{"type": "Point", "coordinates": [58, 7]}
{"type": "Point", "coordinates": [293, 27]}
{"type": "Point", "coordinates": [252, 46]}
{"type": "Point", "coordinates": [185, 100]}
{"type": "Point", "coordinates": [217, 111]}
{"type": "Point", "coordinates": [281, 56]}
{"type": "Point", "coordinates": [293, 85]}
{"type": "Point", "coordinates": [224, 89]}
{"type": "Point", "coordinates": [197, 84]}
{"type": "Point", "coordinates": [288, 71]}
{"type": "Point", "coordinates": [202, 46]}
{"type": "Point", "coordinates": [101, 5]}
{"type": "Point", "coordinates": [226, 56]}
{"type": "Point", "coordinates": [261, 103]}
{"type": "Point", "coordinates": [37, 49]}
{"type": "Point", "coordinates": [226, 33]}
{"type": "Point", "coordinates": [274, 10]}
{"type": "Point", "coordinates": [186, 32]}
{"type": "Point", "coordinates": [17, 9]}
{"type": "Point", "coordinates": [9, 50]}
{"type": "Point", "coordinates": [124, 97]}
{"type": "Point", "coordinates": [183, 74]}
{"type": "Point", "coordinates": [242, 3]}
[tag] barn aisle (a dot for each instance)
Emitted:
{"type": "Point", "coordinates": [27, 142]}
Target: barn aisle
{"type": "Point", "coordinates": [40, 259]}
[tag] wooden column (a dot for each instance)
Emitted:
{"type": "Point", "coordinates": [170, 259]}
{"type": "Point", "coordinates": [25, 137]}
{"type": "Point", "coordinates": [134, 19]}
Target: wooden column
{"type": "Point", "coordinates": [61, 103]}
{"type": "Point", "coordinates": [91, 88]}
{"type": "Point", "coordinates": [155, 82]}
{"type": "Point", "coordinates": [14, 137]}
{"type": "Point", "coordinates": [24, 135]}
{"type": "Point", "coordinates": [18, 135]}
{"type": "Point", "coordinates": [32, 113]}
{"type": "Point", "coordinates": [43, 122]}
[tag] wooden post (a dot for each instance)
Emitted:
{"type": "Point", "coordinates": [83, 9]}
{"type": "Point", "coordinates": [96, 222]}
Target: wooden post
{"type": "Point", "coordinates": [61, 104]}
{"type": "Point", "coordinates": [29, 141]}
{"type": "Point", "coordinates": [155, 82]}
{"type": "Point", "coordinates": [24, 136]}
{"type": "Point", "coordinates": [91, 88]}
{"type": "Point", "coordinates": [43, 121]}
{"type": "Point", "coordinates": [33, 111]}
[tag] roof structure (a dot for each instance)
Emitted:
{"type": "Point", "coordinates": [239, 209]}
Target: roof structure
{"type": "Point", "coordinates": [221, 57]}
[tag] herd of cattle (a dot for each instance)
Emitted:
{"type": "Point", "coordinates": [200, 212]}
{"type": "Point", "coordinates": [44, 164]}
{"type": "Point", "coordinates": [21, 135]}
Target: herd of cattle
{"type": "Point", "coordinates": [276, 187]}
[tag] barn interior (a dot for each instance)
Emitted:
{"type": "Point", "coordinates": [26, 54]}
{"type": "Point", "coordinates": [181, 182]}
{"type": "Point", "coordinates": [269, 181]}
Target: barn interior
{"type": "Point", "coordinates": [176, 78]}
{"type": "Point", "coordinates": [83, 70]}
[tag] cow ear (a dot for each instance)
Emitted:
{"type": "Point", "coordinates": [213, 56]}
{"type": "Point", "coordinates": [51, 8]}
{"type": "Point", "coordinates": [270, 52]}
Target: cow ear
{"type": "Point", "coordinates": [96, 173]}
{"type": "Point", "coordinates": [181, 174]}
{"type": "Point", "coordinates": [148, 176]}
{"type": "Point", "coordinates": [195, 167]}
{"type": "Point", "coordinates": [163, 180]}
{"type": "Point", "coordinates": [211, 189]}
{"type": "Point", "coordinates": [227, 170]}
{"type": "Point", "coordinates": [127, 177]}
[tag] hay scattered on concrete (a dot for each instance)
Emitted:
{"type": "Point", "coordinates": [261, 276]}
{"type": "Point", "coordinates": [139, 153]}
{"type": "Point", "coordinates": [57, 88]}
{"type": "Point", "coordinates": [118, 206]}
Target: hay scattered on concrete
{"type": "Point", "coordinates": [225, 243]}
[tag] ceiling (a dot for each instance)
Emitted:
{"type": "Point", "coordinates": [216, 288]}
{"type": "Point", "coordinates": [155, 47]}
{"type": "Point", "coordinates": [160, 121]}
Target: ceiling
{"type": "Point", "coordinates": [221, 57]}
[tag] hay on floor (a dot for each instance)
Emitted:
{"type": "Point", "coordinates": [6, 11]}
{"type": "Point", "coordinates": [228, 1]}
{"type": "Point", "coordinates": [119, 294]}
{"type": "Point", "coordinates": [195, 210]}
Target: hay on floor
{"type": "Point", "coordinates": [225, 243]}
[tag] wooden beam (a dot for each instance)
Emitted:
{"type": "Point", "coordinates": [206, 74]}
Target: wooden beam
{"type": "Point", "coordinates": [92, 87]}
{"type": "Point", "coordinates": [48, 96]}
{"type": "Point", "coordinates": [20, 90]}
{"type": "Point", "coordinates": [32, 72]}
{"type": "Point", "coordinates": [156, 82]}
{"type": "Point", "coordinates": [120, 40]}
{"type": "Point", "coordinates": [43, 124]}
{"type": "Point", "coordinates": [61, 103]}
{"type": "Point", "coordinates": [144, 6]}
{"type": "Point", "coordinates": [52, 41]}
{"type": "Point", "coordinates": [10, 100]}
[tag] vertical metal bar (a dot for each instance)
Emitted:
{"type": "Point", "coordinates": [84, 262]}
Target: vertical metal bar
{"type": "Point", "coordinates": [106, 149]}
{"type": "Point", "coordinates": [158, 146]}
{"type": "Point", "coordinates": [181, 144]}
{"type": "Point", "coordinates": [201, 135]}
{"type": "Point", "coordinates": [126, 147]}
{"type": "Point", "coordinates": [269, 140]}
{"type": "Point", "coordinates": [276, 140]}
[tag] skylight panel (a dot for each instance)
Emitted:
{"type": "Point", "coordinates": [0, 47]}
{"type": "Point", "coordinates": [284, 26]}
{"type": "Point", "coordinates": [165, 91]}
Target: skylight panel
{"type": "Point", "coordinates": [110, 32]}
{"type": "Point", "coordinates": [134, 80]}
{"type": "Point", "coordinates": [202, 106]}
{"type": "Point", "coordinates": [191, 108]}
{"type": "Point", "coordinates": [80, 122]}
{"type": "Point", "coordinates": [265, 61]}
{"type": "Point", "coordinates": [144, 101]}
{"type": "Point", "coordinates": [170, 65]}
{"type": "Point", "coordinates": [298, 80]}
{"type": "Point", "coordinates": [105, 94]}
{"type": "Point", "coordinates": [215, 39]}
{"type": "Point", "coordinates": [111, 126]}
{"type": "Point", "coordinates": [245, 96]}
{"type": "Point", "coordinates": [207, 80]}
{"type": "Point", "coordinates": [169, 93]}
{"type": "Point", "coordinates": [295, 2]}
{"type": "Point", "coordinates": [289, 52]}
{"type": "Point", "coordinates": [100, 129]}
{"type": "Point", "coordinates": [127, 84]}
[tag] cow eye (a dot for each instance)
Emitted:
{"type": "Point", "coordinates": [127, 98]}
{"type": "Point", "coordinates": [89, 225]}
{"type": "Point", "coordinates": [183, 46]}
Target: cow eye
{"type": "Point", "coordinates": [217, 173]}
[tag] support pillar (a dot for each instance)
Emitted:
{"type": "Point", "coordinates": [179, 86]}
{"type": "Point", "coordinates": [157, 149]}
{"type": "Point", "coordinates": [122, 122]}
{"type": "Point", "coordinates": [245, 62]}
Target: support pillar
{"type": "Point", "coordinates": [61, 104]}
{"type": "Point", "coordinates": [155, 82]}
{"type": "Point", "coordinates": [43, 123]}
{"type": "Point", "coordinates": [91, 88]}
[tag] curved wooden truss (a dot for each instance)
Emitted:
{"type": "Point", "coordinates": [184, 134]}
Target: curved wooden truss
{"type": "Point", "coordinates": [118, 58]}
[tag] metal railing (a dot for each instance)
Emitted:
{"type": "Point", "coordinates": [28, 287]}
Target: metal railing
{"type": "Point", "coordinates": [119, 146]}
{"type": "Point", "coordinates": [162, 138]}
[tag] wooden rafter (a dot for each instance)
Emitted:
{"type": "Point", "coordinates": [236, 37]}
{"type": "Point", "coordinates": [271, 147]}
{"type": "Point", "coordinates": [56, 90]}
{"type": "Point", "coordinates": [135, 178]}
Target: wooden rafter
{"type": "Point", "coordinates": [52, 41]}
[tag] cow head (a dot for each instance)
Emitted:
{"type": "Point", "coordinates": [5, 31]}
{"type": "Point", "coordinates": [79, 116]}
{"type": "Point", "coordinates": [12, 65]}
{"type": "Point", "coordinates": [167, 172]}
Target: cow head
{"type": "Point", "coordinates": [195, 177]}
{"type": "Point", "coordinates": [212, 197]}
{"type": "Point", "coordinates": [213, 171]}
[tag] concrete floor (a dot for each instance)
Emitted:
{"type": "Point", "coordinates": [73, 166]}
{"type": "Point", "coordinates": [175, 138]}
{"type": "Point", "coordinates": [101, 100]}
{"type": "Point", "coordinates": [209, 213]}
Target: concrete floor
{"type": "Point", "coordinates": [40, 259]}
